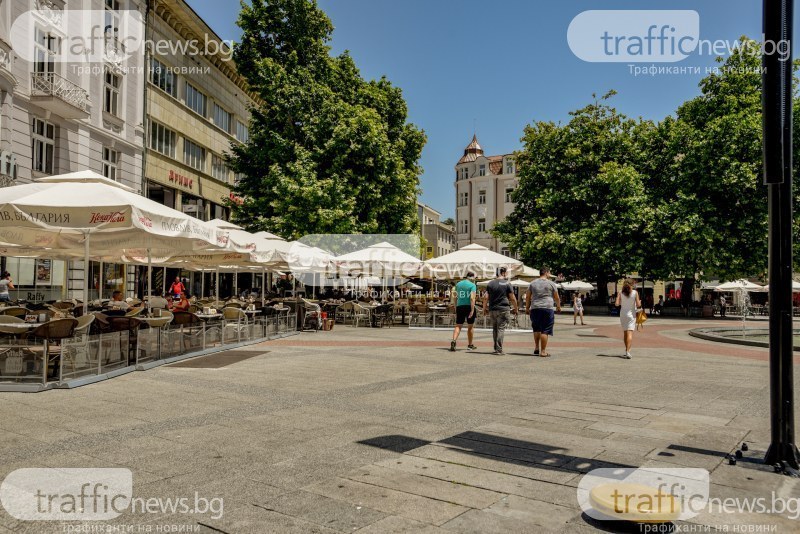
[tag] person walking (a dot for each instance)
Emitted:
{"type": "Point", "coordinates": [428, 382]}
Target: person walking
{"type": "Point", "coordinates": [542, 301]}
{"type": "Point", "coordinates": [577, 309]}
{"type": "Point", "coordinates": [177, 288]}
{"type": "Point", "coordinates": [5, 285]}
{"type": "Point", "coordinates": [628, 302]}
{"type": "Point", "coordinates": [499, 301]}
{"type": "Point", "coordinates": [722, 305]}
{"type": "Point", "coordinates": [466, 292]}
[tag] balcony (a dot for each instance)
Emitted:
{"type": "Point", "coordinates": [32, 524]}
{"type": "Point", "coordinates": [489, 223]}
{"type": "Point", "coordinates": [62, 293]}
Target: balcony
{"type": "Point", "coordinates": [59, 96]}
{"type": "Point", "coordinates": [7, 81]}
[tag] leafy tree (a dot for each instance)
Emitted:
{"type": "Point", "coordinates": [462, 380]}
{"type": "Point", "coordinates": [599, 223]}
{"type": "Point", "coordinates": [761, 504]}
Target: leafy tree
{"type": "Point", "coordinates": [329, 152]}
{"type": "Point", "coordinates": [581, 203]}
{"type": "Point", "coordinates": [449, 221]}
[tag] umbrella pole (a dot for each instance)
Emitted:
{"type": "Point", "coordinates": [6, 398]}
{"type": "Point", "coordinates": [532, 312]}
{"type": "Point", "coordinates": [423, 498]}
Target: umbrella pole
{"type": "Point", "coordinates": [202, 284]}
{"type": "Point", "coordinates": [86, 273]}
{"type": "Point", "coordinates": [149, 279]}
{"type": "Point", "coordinates": [236, 284]}
{"type": "Point", "coordinates": [216, 287]}
{"type": "Point", "coordinates": [263, 284]}
{"type": "Point", "coordinates": [100, 283]}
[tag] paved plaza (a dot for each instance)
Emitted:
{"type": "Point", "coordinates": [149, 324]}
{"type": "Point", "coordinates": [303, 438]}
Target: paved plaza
{"type": "Point", "coordinates": [385, 430]}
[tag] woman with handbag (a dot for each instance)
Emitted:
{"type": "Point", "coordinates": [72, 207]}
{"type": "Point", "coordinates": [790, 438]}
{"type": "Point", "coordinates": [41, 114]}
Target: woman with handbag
{"type": "Point", "coordinates": [628, 303]}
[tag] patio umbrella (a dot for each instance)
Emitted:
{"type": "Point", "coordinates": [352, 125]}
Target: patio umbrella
{"type": "Point", "coordinates": [382, 259]}
{"type": "Point", "coordinates": [739, 285]}
{"type": "Point", "coordinates": [472, 258]}
{"type": "Point", "coordinates": [795, 287]}
{"type": "Point", "coordinates": [577, 285]}
{"type": "Point", "coordinates": [86, 210]}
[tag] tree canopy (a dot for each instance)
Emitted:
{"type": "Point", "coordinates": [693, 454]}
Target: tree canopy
{"type": "Point", "coordinates": [604, 195]}
{"type": "Point", "coordinates": [329, 152]}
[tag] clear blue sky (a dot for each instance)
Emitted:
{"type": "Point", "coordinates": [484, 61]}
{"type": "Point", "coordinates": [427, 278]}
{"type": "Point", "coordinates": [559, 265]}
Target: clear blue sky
{"type": "Point", "coordinates": [499, 64]}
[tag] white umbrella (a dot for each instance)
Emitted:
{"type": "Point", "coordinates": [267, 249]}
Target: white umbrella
{"type": "Point", "coordinates": [86, 210]}
{"type": "Point", "coordinates": [795, 287]}
{"type": "Point", "coordinates": [472, 258]}
{"type": "Point", "coordinates": [529, 272]}
{"type": "Point", "coordinates": [577, 285]}
{"type": "Point", "coordinates": [383, 259]}
{"type": "Point", "coordinates": [739, 285]}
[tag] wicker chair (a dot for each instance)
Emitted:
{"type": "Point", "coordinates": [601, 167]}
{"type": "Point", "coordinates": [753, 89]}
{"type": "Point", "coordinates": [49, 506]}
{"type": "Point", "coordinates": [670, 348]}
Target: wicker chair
{"type": "Point", "coordinates": [52, 333]}
{"type": "Point", "coordinates": [15, 311]}
{"type": "Point", "coordinates": [77, 353]}
{"type": "Point", "coordinates": [235, 319]}
{"type": "Point", "coordinates": [187, 327]}
{"type": "Point", "coordinates": [130, 325]}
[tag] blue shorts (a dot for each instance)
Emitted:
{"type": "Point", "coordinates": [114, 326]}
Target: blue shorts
{"type": "Point", "coordinates": [543, 320]}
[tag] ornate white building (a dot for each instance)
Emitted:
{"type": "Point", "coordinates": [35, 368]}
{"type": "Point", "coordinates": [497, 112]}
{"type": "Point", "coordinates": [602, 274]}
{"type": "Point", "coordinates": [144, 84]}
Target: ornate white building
{"type": "Point", "coordinates": [483, 196]}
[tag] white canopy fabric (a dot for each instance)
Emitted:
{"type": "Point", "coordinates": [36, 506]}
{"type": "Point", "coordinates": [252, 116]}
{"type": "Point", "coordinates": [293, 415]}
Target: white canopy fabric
{"type": "Point", "coordinates": [57, 212]}
{"type": "Point", "coordinates": [577, 285]}
{"type": "Point", "coordinates": [529, 272]}
{"type": "Point", "coordinates": [739, 285]}
{"type": "Point", "coordinates": [84, 210]}
{"type": "Point", "coordinates": [523, 284]}
{"type": "Point", "coordinates": [795, 287]}
{"type": "Point", "coordinates": [383, 259]}
{"type": "Point", "coordinates": [267, 235]}
{"type": "Point", "coordinates": [472, 258]}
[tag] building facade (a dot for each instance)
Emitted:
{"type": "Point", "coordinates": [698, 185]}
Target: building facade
{"type": "Point", "coordinates": [197, 106]}
{"type": "Point", "coordinates": [484, 187]}
{"type": "Point", "coordinates": [440, 238]}
{"type": "Point", "coordinates": [60, 113]}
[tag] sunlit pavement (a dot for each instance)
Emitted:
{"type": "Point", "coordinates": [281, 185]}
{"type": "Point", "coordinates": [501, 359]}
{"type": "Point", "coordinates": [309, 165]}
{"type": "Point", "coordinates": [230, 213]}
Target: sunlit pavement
{"type": "Point", "coordinates": [385, 430]}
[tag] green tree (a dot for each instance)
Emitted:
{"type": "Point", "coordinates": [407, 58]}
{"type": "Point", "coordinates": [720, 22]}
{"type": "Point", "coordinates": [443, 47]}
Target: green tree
{"type": "Point", "coordinates": [581, 204]}
{"type": "Point", "coordinates": [706, 186]}
{"type": "Point", "coordinates": [329, 152]}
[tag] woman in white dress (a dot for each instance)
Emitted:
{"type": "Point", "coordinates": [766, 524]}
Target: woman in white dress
{"type": "Point", "coordinates": [628, 302]}
{"type": "Point", "coordinates": [577, 309]}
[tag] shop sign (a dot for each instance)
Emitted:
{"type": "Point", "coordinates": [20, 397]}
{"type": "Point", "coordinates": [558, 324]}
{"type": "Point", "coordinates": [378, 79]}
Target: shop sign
{"type": "Point", "coordinates": [181, 180]}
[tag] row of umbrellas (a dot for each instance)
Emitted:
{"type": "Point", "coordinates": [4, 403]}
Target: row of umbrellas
{"type": "Point", "coordinates": [84, 215]}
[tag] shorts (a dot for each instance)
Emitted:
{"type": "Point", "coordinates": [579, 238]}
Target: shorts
{"type": "Point", "coordinates": [543, 320]}
{"type": "Point", "coordinates": [462, 315]}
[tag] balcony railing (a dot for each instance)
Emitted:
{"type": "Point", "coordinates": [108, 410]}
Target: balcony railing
{"type": "Point", "coordinates": [51, 84]}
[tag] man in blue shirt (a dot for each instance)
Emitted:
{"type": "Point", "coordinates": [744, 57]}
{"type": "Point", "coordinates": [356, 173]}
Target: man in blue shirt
{"type": "Point", "coordinates": [466, 293]}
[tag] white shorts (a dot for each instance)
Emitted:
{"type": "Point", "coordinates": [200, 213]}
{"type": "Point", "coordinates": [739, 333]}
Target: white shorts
{"type": "Point", "coordinates": [628, 322]}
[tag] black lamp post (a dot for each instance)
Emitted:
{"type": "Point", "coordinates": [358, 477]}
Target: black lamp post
{"type": "Point", "coordinates": [777, 117]}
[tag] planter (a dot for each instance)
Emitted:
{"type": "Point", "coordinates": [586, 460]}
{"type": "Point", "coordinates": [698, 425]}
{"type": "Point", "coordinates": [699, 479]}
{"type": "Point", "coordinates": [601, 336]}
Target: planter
{"type": "Point", "coordinates": [672, 312]}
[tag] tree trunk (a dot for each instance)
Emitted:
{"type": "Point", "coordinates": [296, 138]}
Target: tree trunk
{"type": "Point", "coordinates": [687, 292]}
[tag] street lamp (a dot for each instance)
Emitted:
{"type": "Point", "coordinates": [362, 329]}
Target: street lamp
{"type": "Point", "coordinates": [777, 117]}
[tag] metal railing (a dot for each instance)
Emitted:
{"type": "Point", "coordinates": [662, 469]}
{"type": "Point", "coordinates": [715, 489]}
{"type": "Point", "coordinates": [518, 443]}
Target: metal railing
{"type": "Point", "coordinates": [51, 84]}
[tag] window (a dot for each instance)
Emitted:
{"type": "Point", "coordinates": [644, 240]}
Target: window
{"type": "Point", "coordinates": [509, 194]}
{"type": "Point", "coordinates": [163, 140]}
{"type": "Point", "coordinates": [111, 93]}
{"type": "Point", "coordinates": [482, 196]}
{"type": "Point", "coordinates": [242, 132]}
{"type": "Point", "coordinates": [194, 155]}
{"type": "Point", "coordinates": [43, 143]}
{"type": "Point", "coordinates": [45, 48]}
{"type": "Point", "coordinates": [505, 252]}
{"type": "Point", "coordinates": [464, 173]}
{"type": "Point", "coordinates": [481, 225]}
{"type": "Point", "coordinates": [464, 226]}
{"type": "Point", "coordinates": [218, 168]}
{"type": "Point", "coordinates": [237, 178]}
{"type": "Point", "coordinates": [482, 170]}
{"type": "Point", "coordinates": [463, 199]}
{"type": "Point", "coordinates": [164, 78]}
{"type": "Point", "coordinates": [110, 160]}
{"type": "Point", "coordinates": [195, 100]}
{"type": "Point", "coordinates": [112, 19]}
{"type": "Point", "coordinates": [509, 167]}
{"type": "Point", "coordinates": [222, 118]}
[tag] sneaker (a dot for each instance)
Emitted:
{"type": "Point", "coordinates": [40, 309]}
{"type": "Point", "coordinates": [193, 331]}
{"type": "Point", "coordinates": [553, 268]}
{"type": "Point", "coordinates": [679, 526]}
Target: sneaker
{"type": "Point", "coordinates": [472, 347]}
{"type": "Point", "coordinates": [452, 346]}
{"type": "Point", "coordinates": [498, 353]}
{"type": "Point", "coordinates": [628, 356]}
{"type": "Point", "coordinates": [536, 352]}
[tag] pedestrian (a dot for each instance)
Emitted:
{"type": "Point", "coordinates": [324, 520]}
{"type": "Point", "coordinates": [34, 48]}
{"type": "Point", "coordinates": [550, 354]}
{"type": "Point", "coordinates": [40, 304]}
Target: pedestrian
{"type": "Point", "coordinates": [628, 302]}
{"type": "Point", "coordinates": [722, 304]}
{"type": "Point", "coordinates": [5, 285]}
{"type": "Point", "coordinates": [542, 302]}
{"type": "Point", "coordinates": [577, 309]}
{"type": "Point", "coordinates": [466, 292]}
{"type": "Point", "coordinates": [177, 288]}
{"type": "Point", "coordinates": [499, 301]}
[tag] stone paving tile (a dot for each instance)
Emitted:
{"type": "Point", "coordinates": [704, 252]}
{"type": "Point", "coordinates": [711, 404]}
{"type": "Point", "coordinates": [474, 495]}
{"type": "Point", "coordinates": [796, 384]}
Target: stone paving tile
{"type": "Point", "coordinates": [399, 525]}
{"type": "Point", "coordinates": [399, 503]}
{"type": "Point", "coordinates": [323, 511]}
{"type": "Point", "coordinates": [496, 464]}
{"type": "Point", "coordinates": [425, 487]}
{"type": "Point", "coordinates": [486, 522]}
{"type": "Point", "coordinates": [541, 513]}
{"type": "Point", "coordinates": [482, 478]}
